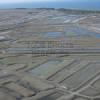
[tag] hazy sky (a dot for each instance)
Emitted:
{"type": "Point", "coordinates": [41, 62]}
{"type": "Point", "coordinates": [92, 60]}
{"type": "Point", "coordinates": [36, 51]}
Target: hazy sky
{"type": "Point", "coordinates": [19, 1]}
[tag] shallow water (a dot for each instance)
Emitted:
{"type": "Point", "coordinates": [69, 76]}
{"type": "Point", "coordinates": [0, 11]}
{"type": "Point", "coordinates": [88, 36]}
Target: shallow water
{"type": "Point", "coordinates": [76, 31]}
{"type": "Point", "coordinates": [97, 35]}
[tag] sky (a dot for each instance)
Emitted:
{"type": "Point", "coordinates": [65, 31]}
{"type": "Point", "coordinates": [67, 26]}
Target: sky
{"type": "Point", "coordinates": [27, 1]}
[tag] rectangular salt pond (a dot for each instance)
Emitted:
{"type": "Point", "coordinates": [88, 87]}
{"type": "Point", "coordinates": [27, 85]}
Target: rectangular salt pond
{"type": "Point", "coordinates": [44, 69]}
{"type": "Point", "coordinates": [82, 76]}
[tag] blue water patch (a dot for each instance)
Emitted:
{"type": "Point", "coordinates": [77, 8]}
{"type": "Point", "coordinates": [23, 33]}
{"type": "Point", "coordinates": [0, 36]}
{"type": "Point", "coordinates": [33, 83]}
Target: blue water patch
{"type": "Point", "coordinates": [52, 34]}
{"type": "Point", "coordinates": [97, 35]}
{"type": "Point", "coordinates": [80, 31]}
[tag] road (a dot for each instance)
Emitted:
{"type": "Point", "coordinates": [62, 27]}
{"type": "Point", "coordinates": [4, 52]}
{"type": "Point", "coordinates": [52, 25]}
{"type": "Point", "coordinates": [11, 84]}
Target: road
{"type": "Point", "coordinates": [52, 51]}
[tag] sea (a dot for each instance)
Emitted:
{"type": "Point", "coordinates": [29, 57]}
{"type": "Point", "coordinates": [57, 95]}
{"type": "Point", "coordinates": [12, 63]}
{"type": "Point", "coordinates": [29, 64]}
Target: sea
{"type": "Point", "coordinates": [68, 5]}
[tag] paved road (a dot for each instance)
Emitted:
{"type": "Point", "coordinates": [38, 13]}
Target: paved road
{"type": "Point", "coordinates": [52, 50]}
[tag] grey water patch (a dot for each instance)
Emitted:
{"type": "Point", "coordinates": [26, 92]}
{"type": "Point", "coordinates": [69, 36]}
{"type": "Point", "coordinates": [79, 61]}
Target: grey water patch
{"type": "Point", "coordinates": [45, 68]}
